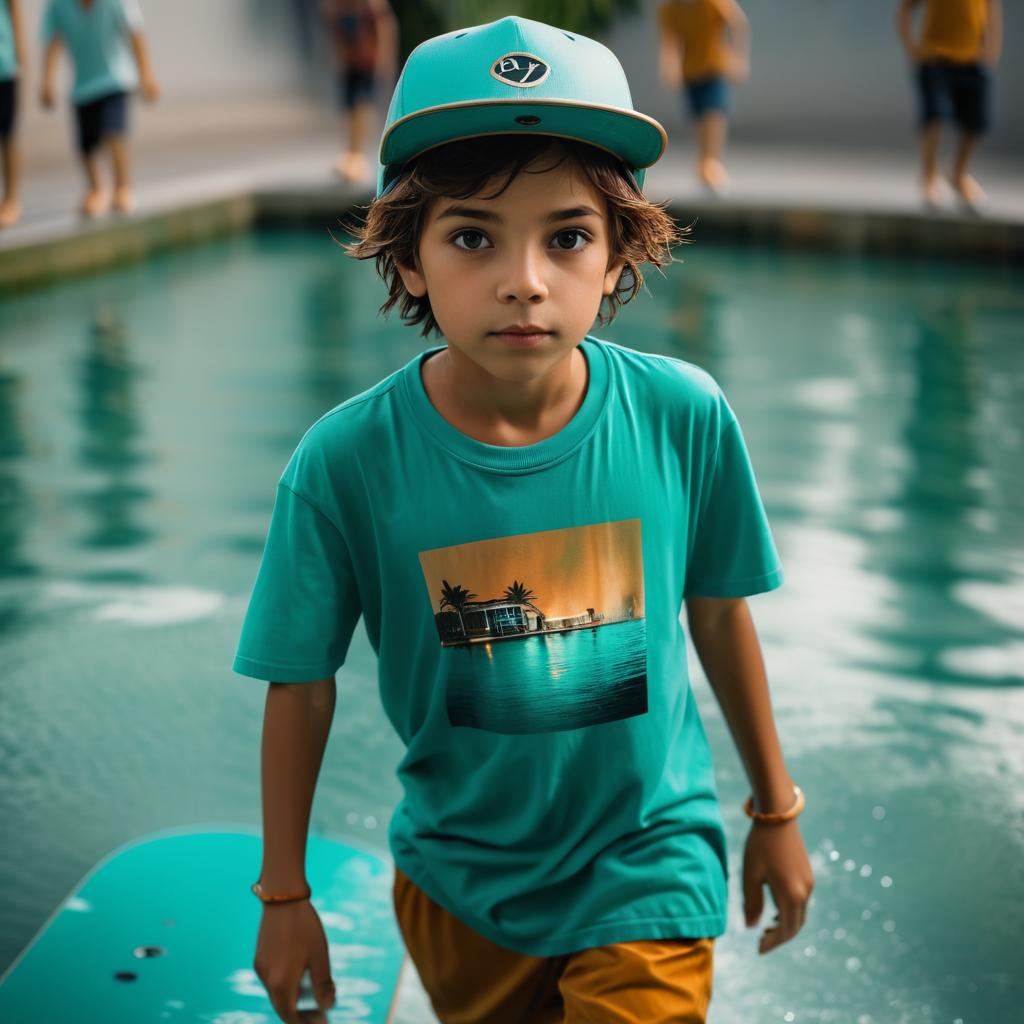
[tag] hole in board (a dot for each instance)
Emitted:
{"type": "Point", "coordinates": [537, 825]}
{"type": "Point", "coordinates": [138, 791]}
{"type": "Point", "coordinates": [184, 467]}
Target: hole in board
{"type": "Point", "coordinates": [527, 119]}
{"type": "Point", "coordinates": [141, 952]}
{"type": "Point", "coordinates": [126, 976]}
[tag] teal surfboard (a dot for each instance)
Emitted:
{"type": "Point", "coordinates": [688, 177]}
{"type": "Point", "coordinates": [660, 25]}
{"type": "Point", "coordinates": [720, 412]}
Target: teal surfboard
{"type": "Point", "coordinates": [164, 928]}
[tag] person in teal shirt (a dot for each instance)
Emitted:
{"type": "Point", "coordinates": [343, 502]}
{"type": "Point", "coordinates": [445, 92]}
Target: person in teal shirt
{"type": "Point", "coordinates": [111, 60]}
{"type": "Point", "coordinates": [520, 515]}
{"type": "Point", "coordinates": [12, 62]}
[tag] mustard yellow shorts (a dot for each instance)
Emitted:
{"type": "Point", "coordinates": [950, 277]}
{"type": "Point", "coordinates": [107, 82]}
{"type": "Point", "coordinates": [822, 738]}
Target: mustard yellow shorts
{"type": "Point", "coordinates": [470, 980]}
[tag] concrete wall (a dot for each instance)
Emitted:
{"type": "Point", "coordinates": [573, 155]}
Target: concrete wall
{"type": "Point", "coordinates": [823, 71]}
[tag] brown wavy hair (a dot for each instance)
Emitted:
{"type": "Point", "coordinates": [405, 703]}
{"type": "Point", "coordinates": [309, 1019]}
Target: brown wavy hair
{"type": "Point", "coordinates": [639, 231]}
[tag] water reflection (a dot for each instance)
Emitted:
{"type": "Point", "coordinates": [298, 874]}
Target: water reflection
{"type": "Point", "coordinates": [111, 430]}
{"type": "Point", "coordinates": [931, 543]}
{"type": "Point", "coordinates": [334, 346]}
{"type": "Point", "coordinates": [14, 500]}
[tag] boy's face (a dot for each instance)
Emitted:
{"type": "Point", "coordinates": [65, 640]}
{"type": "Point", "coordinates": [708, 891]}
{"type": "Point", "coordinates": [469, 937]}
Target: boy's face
{"type": "Point", "coordinates": [516, 281]}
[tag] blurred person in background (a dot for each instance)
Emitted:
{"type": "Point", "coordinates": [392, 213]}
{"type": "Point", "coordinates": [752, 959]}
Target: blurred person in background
{"type": "Point", "coordinates": [704, 44]}
{"type": "Point", "coordinates": [105, 42]}
{"type": "Point", "coordinates": [364, 39]}
{"type": "Point", "coordinates": [960, 41]}
{"type": "Point", "coordinates": [12, 63]}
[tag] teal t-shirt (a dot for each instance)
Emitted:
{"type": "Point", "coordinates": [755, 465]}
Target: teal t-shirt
{"type": "Point", "coordinates": [98, 38]}
{"type": "Point", "coordinates": [8, 58]}
{"type": "Point", "coordinates": [524, 605]}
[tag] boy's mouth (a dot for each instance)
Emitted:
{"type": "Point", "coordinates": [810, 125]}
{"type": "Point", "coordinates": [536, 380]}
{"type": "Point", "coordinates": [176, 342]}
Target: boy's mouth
{"type": "Point", "coordinates": [522, 334]}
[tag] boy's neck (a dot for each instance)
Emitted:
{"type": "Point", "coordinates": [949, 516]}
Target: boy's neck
{"type": "Point", "coordinates": [503, 412]}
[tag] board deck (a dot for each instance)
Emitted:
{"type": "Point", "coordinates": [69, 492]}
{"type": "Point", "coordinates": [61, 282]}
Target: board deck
{"type": "Point", "coordinates": [164, 928]}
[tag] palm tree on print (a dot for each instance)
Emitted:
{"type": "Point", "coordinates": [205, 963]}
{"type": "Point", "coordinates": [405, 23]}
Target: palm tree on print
{"type": "Point", "coordinates": [519, 593]}
{"type": "Point", "coordinates": [456, 598]}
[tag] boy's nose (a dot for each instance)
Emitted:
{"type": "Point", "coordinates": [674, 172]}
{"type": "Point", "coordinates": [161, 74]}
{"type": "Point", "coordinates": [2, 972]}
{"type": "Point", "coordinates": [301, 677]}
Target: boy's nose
{"type": "Point", "coordinates": [523, 278]}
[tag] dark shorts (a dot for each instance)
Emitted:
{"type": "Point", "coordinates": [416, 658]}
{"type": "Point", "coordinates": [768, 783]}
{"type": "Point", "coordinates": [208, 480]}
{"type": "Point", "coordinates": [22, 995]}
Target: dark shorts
{"type": "Point", "coordinates": [706, 94]}
{"type": "Point", "coordinates": [101, 117]}
{"type": "Point", "coordinates": [8, 107]}
{"type": "Point", "coordinates": [959, 91]}
{"type": "Point", "coordinates": [355, 87]}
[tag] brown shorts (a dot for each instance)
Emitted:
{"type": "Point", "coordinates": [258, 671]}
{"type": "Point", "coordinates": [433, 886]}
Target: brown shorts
{"type": "Point", "coordinates": [470, 980]}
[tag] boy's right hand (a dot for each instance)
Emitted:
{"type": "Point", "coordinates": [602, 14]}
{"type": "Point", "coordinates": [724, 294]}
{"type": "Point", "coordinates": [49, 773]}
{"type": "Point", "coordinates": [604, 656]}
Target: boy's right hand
{"type": "Point", "coordinates": [916, 53]}
{"type": "Point", "coordinates": [46, 95]}
{"type": "Point", "coordinates": [292, 938]}
{"type": "Point", "coordinates": [739, 68]}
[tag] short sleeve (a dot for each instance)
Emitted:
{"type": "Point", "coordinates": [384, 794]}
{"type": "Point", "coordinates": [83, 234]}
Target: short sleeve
{"type": "Point", "coordinates": [50, 24]}
{"type": "Point", "coordinates": [733, 553]}
{"type": "Point", "coordinates": [131, 15]}
{"type": "Point", "coordinates": [304, 604]}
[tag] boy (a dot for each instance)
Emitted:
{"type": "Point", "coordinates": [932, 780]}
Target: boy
{"type": "Point", "coordinates": [518, 515]}
{"type": "Point", "coordinates": [705, 42]}
{"type": "Point", "coordinates": [104, 38]}
{"type": "Point", "coordinates": [364, 37]}
{"type": "Point", "coordinates": [12, 61]}
{"type": "Point", "coordinates": [960, 41]}
{"type": "Point", "coordinates": [11, 64]}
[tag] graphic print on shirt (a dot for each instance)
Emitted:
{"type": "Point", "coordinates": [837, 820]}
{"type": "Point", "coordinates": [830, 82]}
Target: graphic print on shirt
{"type": "Point", "coordinates": [542, 632]}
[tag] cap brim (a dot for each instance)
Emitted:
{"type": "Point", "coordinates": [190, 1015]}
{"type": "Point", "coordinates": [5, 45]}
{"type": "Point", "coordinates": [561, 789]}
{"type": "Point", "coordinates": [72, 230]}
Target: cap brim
{"type": "Point", "coordinates": [638, 139]}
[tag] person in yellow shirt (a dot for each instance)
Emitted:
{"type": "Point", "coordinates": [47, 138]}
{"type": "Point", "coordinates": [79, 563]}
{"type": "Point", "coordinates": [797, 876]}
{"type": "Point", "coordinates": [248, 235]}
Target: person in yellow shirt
{"type": "Point", "coordinates": [705, 44]}
{"type": "Point", "coordinates": [960, 42]}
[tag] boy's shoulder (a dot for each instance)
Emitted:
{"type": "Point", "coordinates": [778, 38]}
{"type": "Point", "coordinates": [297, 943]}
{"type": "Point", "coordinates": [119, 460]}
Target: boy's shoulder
{"type": "Point", "coordinates": [355, 414]}
{"type": "Point", "coordinates": [669, 382]}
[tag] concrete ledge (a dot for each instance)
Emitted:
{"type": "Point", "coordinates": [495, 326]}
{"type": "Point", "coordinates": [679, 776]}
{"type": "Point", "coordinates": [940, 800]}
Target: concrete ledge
{"type": "Point", "coordinates": [890, 233]}
{"type": "Point", "coordinates": [72, 250]}
{"type": "Point", "coordinates": [895, 233]}
{"type": "Point", "coordinates": [95, 247]}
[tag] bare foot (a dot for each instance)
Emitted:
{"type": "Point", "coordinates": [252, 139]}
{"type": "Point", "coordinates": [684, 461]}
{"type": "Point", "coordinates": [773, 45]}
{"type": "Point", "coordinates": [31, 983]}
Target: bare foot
{"type": "Point", "coordinates": [931, 191]}
{"type": "Point", "coordinates": [714, 177]}
{"type": "Point", "coordinates": [970, 193]}
{"type": "Point", "coordinates": [124, 199]}
{"type": "Point", "coordinates": [95, 204]}
{"type": "Point", "coordinates": [10, 211]}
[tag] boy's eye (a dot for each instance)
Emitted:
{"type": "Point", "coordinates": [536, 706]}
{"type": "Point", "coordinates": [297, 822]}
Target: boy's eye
{"type": "Point", "coordinates": [571, 240]}
{"type": "Point", "coordinates": [472, 240]}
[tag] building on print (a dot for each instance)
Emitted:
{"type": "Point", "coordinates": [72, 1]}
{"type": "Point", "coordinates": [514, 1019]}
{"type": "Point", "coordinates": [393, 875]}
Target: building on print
{"type": "Point", "coordinates": [463, 620]}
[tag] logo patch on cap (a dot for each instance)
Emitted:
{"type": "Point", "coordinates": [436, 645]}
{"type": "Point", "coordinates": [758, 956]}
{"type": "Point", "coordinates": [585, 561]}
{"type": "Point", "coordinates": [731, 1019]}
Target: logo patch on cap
{"type": "Point", "coordinates": [520, 69]}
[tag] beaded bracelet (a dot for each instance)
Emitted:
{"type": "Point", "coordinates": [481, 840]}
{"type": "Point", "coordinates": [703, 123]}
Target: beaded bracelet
{"type": "Point", "coordinates": [258, 890]}
{"type": "Point", "coordinates": [775, 819]}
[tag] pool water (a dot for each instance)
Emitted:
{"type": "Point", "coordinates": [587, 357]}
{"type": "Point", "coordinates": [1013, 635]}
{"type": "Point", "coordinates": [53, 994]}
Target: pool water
{"type": "Point", "coordinates": [146, 414]}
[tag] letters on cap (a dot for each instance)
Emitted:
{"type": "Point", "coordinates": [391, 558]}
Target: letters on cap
{"type": "Point", "coordinates": [520, 69]}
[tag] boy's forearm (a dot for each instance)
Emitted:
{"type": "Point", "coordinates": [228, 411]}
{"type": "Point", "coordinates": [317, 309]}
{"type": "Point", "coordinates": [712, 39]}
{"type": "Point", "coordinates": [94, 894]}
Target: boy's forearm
{"type": "Point", "coordinates": [141, 55]}
{"type": "Point", "coordinates": [727, 645]}
{"type": "Point", "coordinates": [993, 43]}
{"type": "Point", "coordinates": [739, 31]}
{"type": "Point", "coordinates": [14, 8]}
{"type": "Point", "coordinates": [905, 23]}
{"type": "Point", "coordinates": [50, 60]}
{"type": "Point", "coordinates": [296, 724]}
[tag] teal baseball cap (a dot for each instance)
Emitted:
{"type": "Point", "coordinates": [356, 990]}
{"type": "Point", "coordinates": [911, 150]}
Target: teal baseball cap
{"type": "Point", "coordinates": [514, 76]}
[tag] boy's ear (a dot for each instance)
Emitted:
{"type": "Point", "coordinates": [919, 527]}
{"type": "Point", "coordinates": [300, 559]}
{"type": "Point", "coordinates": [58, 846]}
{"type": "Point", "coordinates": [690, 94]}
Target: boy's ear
{"type": "Point", "coordinates": [612, 275]}
{"type": "Point", "coordinates": [413, 279]}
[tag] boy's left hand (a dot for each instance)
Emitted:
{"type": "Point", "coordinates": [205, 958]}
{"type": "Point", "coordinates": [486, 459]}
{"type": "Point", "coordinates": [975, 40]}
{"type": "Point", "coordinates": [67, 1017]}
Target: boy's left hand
{"type": "Point", "coordinates": [775, 856]}
{"type": "Point", "coordinates": [150, 90]}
